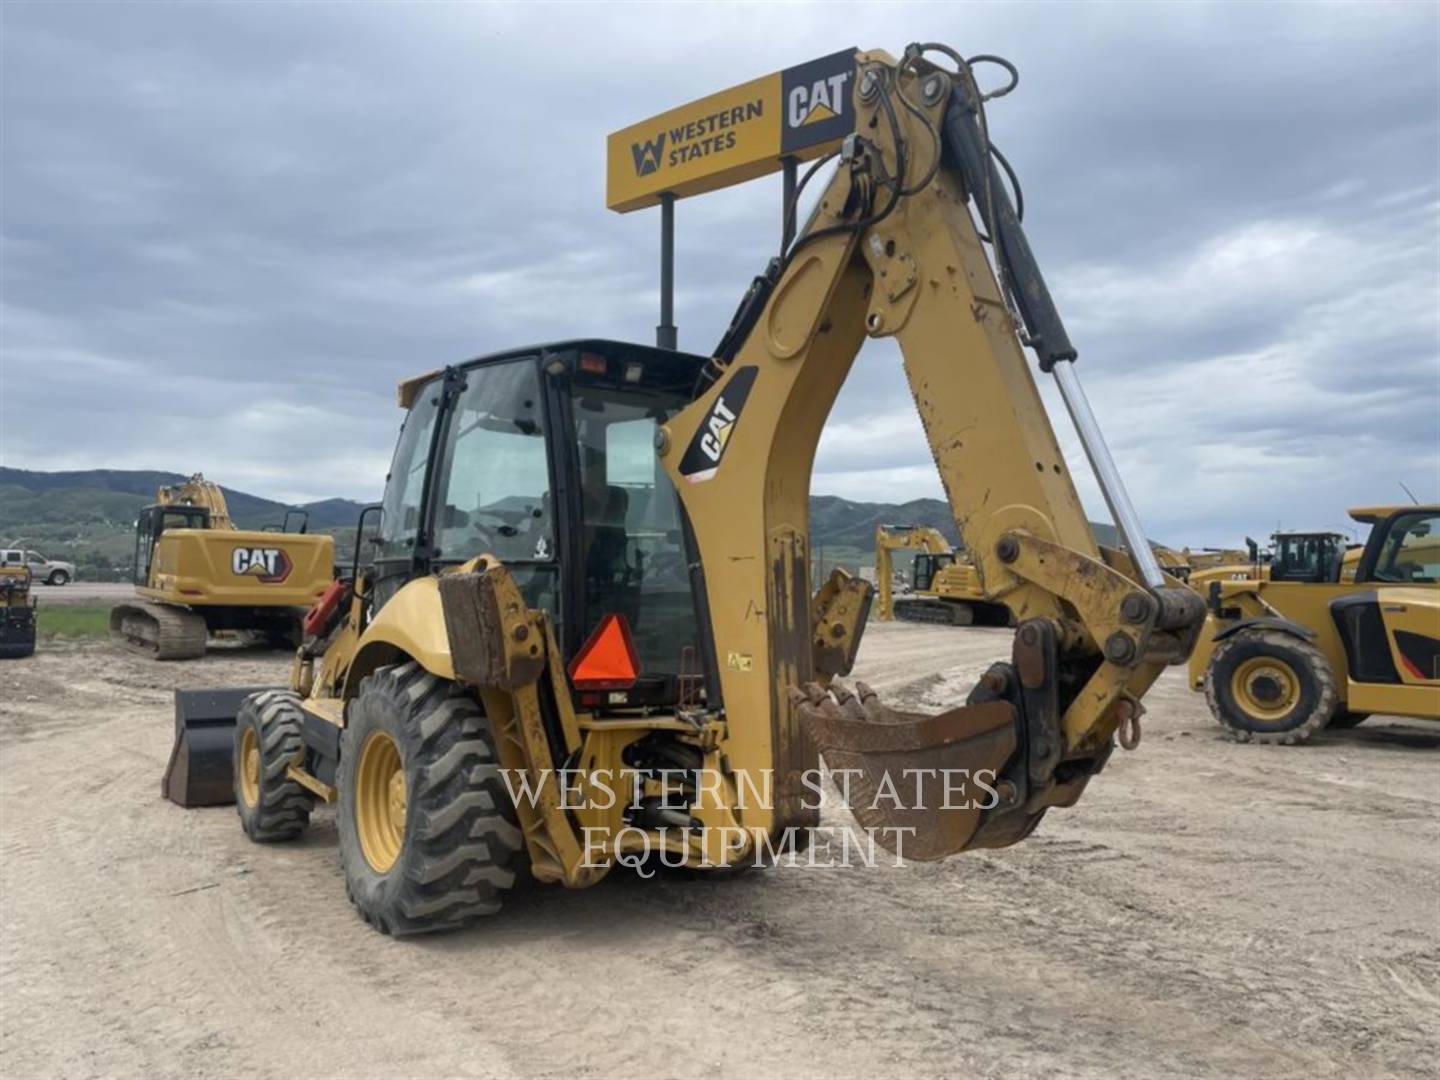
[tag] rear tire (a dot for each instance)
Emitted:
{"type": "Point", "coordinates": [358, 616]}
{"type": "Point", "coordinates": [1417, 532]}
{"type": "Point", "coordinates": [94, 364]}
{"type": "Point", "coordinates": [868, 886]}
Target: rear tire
{"type": "Point", "coordinates": [428, 832]}
{"type": "Point", "coordinates": [1270, 687]}
{"type": "Point", "coordinates": [267, 740]}
{"type": "Point", "coordinates": [12, 650]}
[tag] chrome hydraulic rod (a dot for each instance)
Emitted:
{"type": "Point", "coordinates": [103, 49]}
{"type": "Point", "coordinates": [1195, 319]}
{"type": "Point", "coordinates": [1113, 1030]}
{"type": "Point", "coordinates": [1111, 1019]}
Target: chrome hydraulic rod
{"type": "Point", "coordinates": [967, 149]}
{"type": "Point", "coordinates": [1122, 510]}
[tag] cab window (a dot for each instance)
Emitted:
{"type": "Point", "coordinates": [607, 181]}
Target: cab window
{"type": "Point", "coordinates": [1411, 551]}
{"type": "Point", "coordinates": [493, 493]}
{"type": "Point", "coordinates": [632, 548]}
{"type": "Point", "coordinates": [404, 491]}
{"type": "Point", "coordinates": [494, 489]}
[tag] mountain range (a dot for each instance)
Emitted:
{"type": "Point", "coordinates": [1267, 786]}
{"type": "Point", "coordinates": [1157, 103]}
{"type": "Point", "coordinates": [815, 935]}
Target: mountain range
{"type": "Point", "coordinates": [87, 517]}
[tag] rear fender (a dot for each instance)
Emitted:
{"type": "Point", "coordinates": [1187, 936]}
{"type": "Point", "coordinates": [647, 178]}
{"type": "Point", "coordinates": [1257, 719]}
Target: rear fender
{"type": "Point", "coordinates": [1266, 622]}
{"type": "Point", "coordinates": [411, 626]}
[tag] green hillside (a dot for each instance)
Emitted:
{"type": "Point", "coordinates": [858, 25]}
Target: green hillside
{"type": "Point", "coordinates": [88, 518]}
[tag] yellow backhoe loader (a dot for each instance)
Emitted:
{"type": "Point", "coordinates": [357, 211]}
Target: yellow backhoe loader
{"type": "Point", "coordinates": [195, 573]}
{"type": "Point", "coordinates": [17, 610]}
{"type": "Point", "coordinates": [587, 634]}
{"type": "Point", "coordinates": [1303, 647]}
{"type": "Point", "coordinates": [943, 587]}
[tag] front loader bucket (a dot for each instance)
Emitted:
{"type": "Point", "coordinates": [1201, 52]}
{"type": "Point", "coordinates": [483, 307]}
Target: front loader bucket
{"type": "Point", "coordinates": [201, 770]}
{"type": "Point", "coordinates": [917, 784]}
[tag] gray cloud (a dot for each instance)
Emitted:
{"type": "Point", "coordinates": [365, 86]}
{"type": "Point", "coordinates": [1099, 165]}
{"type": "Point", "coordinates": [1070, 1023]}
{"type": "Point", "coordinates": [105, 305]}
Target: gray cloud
{"type": "Point", "coordinates": [229, 229]}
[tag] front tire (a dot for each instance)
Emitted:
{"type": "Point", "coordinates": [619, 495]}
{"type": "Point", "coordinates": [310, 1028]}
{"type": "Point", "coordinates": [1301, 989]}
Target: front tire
{"type": "Point", "coordinates": [271, 806]}
{"type": "Point", "coordinates": [428, 833]}
{"type": "Point", "coordinates": [59, 577]}
{"type": "Point", "coordinates": [1270, 687]}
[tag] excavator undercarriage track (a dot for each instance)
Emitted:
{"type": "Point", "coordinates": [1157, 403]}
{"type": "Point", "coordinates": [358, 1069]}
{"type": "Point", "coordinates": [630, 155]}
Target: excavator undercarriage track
{"type": "Point", "coordinates": [944, 612]}
{"type": "Point", "coordinates": [160, 631]}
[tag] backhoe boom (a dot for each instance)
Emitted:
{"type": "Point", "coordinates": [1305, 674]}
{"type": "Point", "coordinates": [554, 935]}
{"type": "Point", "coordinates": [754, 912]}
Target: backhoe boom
{"type": "Point", "coordinates": [892, 251]}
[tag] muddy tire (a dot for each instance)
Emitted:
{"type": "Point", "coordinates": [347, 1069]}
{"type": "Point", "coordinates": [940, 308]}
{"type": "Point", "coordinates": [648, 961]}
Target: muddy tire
{"type": "Point", "coordinates": [428, 832]}
{"type": "Point", "coordinates": [271, 806]}
{"type": "Point", "coordinates": [1270, 687]}
{"type": "Point", "coordinates": [1344, 718]}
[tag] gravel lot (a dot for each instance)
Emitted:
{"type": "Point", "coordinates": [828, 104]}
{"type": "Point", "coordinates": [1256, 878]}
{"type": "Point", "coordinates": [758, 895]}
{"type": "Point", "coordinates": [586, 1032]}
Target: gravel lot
{"type": "Point", "coordinates": [1207, 910]}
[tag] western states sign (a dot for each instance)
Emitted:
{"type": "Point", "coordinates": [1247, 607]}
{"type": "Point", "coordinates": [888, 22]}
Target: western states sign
{"type": "Point", "coordinates": [735, 135]}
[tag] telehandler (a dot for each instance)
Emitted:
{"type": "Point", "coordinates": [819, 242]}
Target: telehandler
{"type": "Point", "coordinates": [944, 585]}
{"type": "Point", "coordinates": [195, 573]}
{"type": "Point", "coordinates": [593, 558]}
{"type": "Point", "coordinates": [1305, 646]}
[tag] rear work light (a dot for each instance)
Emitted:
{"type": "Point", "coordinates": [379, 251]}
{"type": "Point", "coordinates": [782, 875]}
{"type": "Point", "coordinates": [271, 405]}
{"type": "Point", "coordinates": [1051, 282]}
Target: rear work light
{"type": "Point", "coordinates": [607, 660]}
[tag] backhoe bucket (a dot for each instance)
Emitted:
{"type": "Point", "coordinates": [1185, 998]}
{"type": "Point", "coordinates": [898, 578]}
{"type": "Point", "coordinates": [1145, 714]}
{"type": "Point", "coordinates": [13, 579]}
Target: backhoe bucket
{"type": "Point", "coordinates": [201, 770]}
{"type": "Point", "coordinates": [917, 784]}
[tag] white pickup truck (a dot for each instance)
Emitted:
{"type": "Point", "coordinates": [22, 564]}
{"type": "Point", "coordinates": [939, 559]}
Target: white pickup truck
{"type": "Point", "coordinates": [48, 571]}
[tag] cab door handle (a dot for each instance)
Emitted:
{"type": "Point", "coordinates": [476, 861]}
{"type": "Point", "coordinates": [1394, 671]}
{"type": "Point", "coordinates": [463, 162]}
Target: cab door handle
{"type": "Point", "coordinates": [1396, 607]}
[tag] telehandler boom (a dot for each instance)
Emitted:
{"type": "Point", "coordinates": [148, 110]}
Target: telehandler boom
{"type": "Point", "coordinates": [588, 632]}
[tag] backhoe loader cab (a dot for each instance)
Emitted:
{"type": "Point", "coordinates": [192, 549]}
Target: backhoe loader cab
{"type": "Point", "coordinates": [545, 459]}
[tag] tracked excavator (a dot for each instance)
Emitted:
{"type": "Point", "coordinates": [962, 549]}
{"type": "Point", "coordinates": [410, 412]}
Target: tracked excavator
{"type": "Point", "coordinates": [944, 586]}
{"type": "Point", "coordinates": [586, 632]}
{"type": "Point", "coordinates": [196, 573]}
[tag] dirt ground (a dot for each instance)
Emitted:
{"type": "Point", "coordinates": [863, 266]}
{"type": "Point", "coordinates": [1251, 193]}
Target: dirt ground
{"type": "Point", "coordinates": [1207, 910]}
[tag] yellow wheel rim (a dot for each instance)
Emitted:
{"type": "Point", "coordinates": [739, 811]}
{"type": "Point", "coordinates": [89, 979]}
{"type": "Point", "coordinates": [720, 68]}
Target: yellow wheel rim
{"type": "Point", "coordinates": [250, 766]}
{"type": "Point", "coordinates": [380, 800]}
{"type": "Point", "coordinates": [1266, 687]}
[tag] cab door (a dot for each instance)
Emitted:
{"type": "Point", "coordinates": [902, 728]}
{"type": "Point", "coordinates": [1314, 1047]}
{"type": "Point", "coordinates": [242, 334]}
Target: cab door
{"type": "Point", "coordinates": [1391, 629]}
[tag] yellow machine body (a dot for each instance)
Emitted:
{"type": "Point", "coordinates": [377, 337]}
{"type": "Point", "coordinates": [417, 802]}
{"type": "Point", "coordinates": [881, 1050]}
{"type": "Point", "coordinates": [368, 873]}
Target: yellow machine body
{"type": "Point", "coordinates": [196, 573]}
{"type": "Point", "coordinates": [463, 654]}
{"type": "Point", "coordinates": [17, 612]}
{"type": "Point", "coordinates": [943, 585]}
{"type": "Point", "coordinates": [239, 568]}
{"type": "Point", "coordinates": [1371, 643]}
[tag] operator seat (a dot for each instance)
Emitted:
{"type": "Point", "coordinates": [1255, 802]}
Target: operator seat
{"type": "Point", "coordinates": [605, 562]}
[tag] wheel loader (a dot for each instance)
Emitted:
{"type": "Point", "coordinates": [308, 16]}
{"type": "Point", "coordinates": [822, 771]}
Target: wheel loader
{"type": "Point", "coordinates": [944, 586]}
{"type": "Point", "coordinates": [1325, 547]}
{"type": "Point", "coordinates": [1307, 647]}
{"type": "Point", "coordinates": [585, 631]}
{"type": "Point", "coordinates": [17, 611]}
{"type": "Point", "coordinates": [196, 574]}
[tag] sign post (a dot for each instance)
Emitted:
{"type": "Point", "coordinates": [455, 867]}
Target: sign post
{"type": "Point", "coordinates": [767, 125]}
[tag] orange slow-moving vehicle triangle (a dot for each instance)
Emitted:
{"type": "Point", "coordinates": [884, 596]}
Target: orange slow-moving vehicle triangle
{"type": "Point", "coordinates": [607, 660]}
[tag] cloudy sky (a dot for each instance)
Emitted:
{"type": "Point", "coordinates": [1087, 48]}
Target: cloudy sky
{"type": "Point", "coordinates": [228, 229]}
